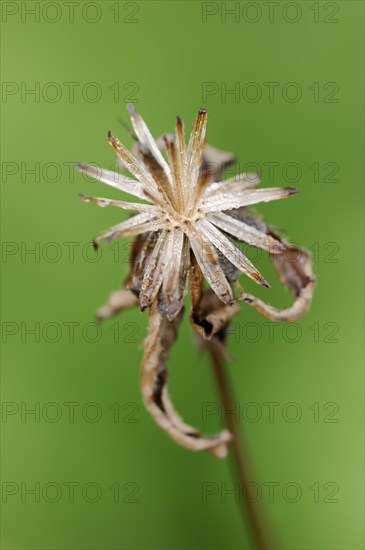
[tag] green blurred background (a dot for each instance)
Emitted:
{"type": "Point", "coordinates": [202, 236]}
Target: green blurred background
{"type": "Point", "coordinates": [133, 488]}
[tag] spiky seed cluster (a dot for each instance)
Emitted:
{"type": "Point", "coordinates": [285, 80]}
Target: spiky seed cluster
{"type": "Point", "coordinates": [184, 211]}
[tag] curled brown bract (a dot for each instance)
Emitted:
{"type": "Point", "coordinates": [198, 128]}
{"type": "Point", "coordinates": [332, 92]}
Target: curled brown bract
{"type": "Point", "coordinates": [117, 302]}
{"type": "Point", "coordinates": [294, 268]}
{"type": "Point", "coordinates": [162, 334]}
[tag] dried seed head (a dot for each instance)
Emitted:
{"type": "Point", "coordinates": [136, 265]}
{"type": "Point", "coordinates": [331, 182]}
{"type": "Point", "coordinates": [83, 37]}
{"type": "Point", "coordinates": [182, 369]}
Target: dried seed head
{"type": "Point", "coordinates": [187, 224]}
{"type": "Point", "coordinates": [188, 208]}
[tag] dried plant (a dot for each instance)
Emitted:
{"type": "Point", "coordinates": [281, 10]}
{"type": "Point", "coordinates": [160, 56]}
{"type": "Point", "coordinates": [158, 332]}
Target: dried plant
{"type": "Point", "coordinates": [186, 228]}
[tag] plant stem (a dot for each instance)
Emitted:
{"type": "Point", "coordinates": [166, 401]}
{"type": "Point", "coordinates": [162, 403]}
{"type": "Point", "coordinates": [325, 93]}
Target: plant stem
{"type": "Point", "coordinates": [240, 466]}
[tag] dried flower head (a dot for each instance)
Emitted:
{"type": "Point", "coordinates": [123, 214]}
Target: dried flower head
{"type": "Point", "coordinates": [187, 224]}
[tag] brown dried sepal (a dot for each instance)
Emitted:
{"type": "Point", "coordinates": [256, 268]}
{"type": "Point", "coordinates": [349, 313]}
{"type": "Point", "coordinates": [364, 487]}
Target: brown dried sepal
{"type": "Point", "coordinates": [209, 316]}
{"type": "Point", "coordinates": [215, 162]}
{"type": "Point", "coordinates": [294, 267]}
{"type": "Point", "coordinates": [141, 250]}
{"type": "Point", "coordinates": [162, 334]}
{"type": "Point", "coordinates": [118, 301]}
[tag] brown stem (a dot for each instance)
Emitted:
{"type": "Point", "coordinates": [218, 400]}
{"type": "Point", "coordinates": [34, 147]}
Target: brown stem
{"type": "Point", "coordinates": [240, 467]}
